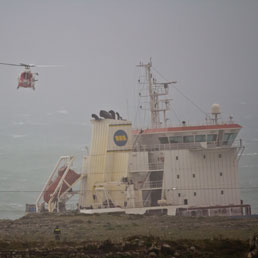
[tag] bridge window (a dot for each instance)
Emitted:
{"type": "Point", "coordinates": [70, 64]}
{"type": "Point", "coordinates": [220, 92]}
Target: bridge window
{"type": "Point", "coordinates": [228, 138]}
{"type": "Point", "coordinates": [188, 139]}
{"type": "Point", "coordinates": [176, 139]}
{"type": "Point", "coordinates": [211, 137]}
{"type": "Point", "coordinates": [200, 138]}
{"type": "Point", "coordinates": [163, 140]}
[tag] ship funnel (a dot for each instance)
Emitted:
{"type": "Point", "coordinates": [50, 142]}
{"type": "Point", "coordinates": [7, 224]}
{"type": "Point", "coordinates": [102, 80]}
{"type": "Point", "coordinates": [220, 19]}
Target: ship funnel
{"type": "Point", "coordinates": [118, 116]}
{"type": "Point", "coordinates": [105, 114]}
{"type": "Point", "coordinates": [113, 114]}
{"type": "Point", "coordinates": [95, 117]}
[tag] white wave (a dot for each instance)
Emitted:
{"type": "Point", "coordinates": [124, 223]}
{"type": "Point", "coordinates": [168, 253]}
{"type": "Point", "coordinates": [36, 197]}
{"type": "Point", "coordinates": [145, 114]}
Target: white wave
{"type": "Point", "coordinates": [250, 154]}
{"type": "Point", "coordinates": [248, 166]}
{"type": "Point", "coordinates": [12, 204]}
{"type": "Point", "coordinates": [15, 136]}
{"type": "Point", "coordinates": [62, 111]}
{"type": "Point", "coordinates": [18, 123]}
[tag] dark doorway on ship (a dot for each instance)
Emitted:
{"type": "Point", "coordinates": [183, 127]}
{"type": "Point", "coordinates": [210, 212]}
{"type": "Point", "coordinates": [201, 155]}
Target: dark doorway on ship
{"type": "Point", "coordinates": [155, 196]}
{"type": "Point", "coordinates": [151, 197]}
{"type": "Point", "coordinates": [156, 178]}
{"type": "Point", "coordinates": [152, 188]}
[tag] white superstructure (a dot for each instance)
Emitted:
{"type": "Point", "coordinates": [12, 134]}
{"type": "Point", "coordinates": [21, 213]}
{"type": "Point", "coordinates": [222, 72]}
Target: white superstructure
{"type": "Point", "coordinates": [184, 170]}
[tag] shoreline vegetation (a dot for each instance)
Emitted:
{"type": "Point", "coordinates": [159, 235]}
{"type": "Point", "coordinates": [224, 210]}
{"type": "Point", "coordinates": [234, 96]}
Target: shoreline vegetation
{"type": "Point", "coordinates": [121, 235]}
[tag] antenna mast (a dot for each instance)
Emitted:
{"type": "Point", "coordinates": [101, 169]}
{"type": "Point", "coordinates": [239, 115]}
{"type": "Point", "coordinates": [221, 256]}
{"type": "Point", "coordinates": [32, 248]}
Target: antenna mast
{"type": "Point", "coordinates": [155, 91]}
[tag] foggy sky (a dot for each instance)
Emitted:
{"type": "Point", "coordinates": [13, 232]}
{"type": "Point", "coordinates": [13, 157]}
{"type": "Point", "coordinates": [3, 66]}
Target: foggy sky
{"type": "Point", "coordinates": [209, 47]}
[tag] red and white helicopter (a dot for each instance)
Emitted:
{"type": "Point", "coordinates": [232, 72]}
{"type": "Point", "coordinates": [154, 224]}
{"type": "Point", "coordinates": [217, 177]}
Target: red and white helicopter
{"type": "Point", "coordinates": [27, 78]}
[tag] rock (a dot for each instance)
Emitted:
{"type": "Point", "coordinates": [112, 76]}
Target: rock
{"type": "Point", "coordinates": [141, 243]}
{"type": "Point", "coordinates": [154, 249]}
{"type": "Point", "coordinates": [152, 254]}
{"type": "Point", "coordinates": [192, 248]}
{"type": "Point", "coordinates": [166, 249]}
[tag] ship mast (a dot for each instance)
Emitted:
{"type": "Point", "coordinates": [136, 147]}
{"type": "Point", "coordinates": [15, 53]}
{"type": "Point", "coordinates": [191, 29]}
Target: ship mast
{"type": "Point", "coordinates": [155, 91]}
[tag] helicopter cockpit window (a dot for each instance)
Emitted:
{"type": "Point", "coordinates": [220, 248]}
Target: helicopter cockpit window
{"type": "Point", "coordinates": [26, 76]}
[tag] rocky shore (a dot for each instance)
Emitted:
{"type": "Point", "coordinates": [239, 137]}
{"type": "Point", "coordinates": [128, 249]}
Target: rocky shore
{"type": "Point", "coordinates": [137, 246]}
{"type": "Point", "coordinates": [121, 235]}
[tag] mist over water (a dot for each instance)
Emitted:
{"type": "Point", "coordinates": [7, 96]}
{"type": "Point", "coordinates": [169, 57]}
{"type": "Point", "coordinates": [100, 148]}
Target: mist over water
{"type": "Point", "coordinates": [28, 154]}
{"type": "Point", "coordinates": [209, 47]}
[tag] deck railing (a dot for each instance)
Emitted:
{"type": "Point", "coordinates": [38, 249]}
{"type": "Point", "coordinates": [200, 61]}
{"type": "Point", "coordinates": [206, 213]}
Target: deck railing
{"type": "Point", "coordinates": [180, 146]}
{"type": "Point", "coordinates": [152, 184]}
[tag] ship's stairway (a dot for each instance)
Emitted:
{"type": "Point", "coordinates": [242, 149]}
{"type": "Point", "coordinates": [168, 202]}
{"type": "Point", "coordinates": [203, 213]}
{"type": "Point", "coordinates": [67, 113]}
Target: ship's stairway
{"type": "Point", "coordinates": [58, 188]}
{"type": "Point", "coordinates": [151, 185]}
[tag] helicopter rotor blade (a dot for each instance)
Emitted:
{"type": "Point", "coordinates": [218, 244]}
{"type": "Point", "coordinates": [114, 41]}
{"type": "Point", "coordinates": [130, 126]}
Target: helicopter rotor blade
{"type": "Point", "coordinates": [44, 66]}
{"type": "Point", "coordinates": [31, 65]}
{"type": "Point", "coordinates": [27, 65]}
{"type": "Point", "coordinates": [12, 64]}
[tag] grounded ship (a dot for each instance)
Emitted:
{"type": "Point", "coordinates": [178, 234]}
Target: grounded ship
{"type": "Point", "coordinates": [184, 170]}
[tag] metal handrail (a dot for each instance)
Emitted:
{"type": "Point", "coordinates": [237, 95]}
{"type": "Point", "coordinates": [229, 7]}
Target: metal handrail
{"type": "Point", "coordinates": [152, 184]}
{"type": "Point", "coordinates": [177, 146]}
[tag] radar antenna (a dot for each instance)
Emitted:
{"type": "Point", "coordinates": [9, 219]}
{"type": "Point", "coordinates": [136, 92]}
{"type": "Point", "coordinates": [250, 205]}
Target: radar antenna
{"type": "Point", "coordinates": [155, 91]}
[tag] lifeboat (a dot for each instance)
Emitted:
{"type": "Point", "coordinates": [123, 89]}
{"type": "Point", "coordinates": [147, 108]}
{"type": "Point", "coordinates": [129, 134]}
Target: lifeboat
{"type": "Point", "coordinates": [71, 177]}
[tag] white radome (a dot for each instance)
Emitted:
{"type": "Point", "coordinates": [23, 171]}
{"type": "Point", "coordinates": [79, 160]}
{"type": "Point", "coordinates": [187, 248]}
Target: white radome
{"type": "Point", "coordinates": [215, 109]}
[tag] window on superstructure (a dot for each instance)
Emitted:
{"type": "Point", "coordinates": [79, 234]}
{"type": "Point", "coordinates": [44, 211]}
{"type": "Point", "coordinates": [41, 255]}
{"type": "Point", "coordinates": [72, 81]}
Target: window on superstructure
{"type": "Point", "coordinates": [204, 156]}
{"type": "Point", "coordinates": [176, 139]}
{"type": "Point", "coordinates": [179, 194]}
{"type": "Point", "coordinates": [193, 175]}
{"type": "Point", "coordinates": [188, 139]}
{"type": "Point", "coordinates": [228, 138]}
{"type": "Point", "coordinates": [178, 176]}
{"type": "Point", "coordinates": [211, 138]}
{"type": "Point", "coordinates": [222, 192]}
{"type": "Point", "coordinates": [220, 174]}
{"type": "Point", "coordinates": [194, 193]}
{"type": "Point", "coordinates": [220, 156]}
{"type": "Point", "coordinates": [176, 157]}
{"type": "Point", "coordinates": [163, 140]}
{"type": "Point", "coordinates": [200, 138]}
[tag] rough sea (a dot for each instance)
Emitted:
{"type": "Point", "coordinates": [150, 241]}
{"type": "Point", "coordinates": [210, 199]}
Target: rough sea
{"type": "Point", "coordinates": [29, 152]}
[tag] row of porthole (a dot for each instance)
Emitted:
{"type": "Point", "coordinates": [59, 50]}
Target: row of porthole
{"type": "Point", "coordinates": [179, 194]}
{"type": "Point", "coordinates": [204, 156]}
{"type": "Point", "coordinates": [178, 176]}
